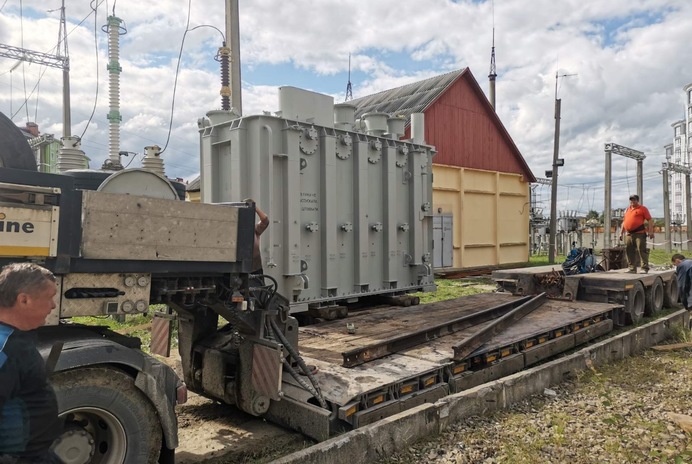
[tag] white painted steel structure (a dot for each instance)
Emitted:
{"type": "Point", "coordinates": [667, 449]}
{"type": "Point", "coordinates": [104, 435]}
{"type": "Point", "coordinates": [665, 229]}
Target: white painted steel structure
{"type": "Point", "coordinates": [680, 153]}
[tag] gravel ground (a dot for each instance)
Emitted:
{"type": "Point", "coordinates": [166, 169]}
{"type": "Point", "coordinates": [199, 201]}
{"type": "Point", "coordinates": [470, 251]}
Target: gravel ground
{"type": "Point", "coordinates": [613, 414]}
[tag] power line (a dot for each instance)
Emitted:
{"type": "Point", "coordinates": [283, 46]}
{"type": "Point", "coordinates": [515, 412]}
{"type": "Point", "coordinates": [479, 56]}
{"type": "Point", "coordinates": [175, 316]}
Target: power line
{"type": "Point", "coordinates": [30, 94]}
{"type": "Point", "coordinates": [96, 48]}
{"type": "Point", "coordinates": [177, 70]}
{"type": "Point", "coordinates": [223, 37]}
{"type": "Point", "coordinates": [21, 38]}
{"type": "Point", "coordinates": [38, 90]}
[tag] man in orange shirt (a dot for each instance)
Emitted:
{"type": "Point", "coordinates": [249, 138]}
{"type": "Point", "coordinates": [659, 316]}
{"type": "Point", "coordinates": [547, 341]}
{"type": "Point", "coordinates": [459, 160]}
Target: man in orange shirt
{"type": "Point", "coordinates": [633, 224]}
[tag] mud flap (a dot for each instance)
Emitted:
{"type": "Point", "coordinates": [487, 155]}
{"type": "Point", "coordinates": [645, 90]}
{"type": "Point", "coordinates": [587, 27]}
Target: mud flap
{"type": "Point", "coordinates": [260, 376]}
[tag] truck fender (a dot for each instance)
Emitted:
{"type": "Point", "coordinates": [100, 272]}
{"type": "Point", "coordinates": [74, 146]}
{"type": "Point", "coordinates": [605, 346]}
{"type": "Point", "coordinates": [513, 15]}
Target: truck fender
{"type": "Point", "coordinates": [85, 346]}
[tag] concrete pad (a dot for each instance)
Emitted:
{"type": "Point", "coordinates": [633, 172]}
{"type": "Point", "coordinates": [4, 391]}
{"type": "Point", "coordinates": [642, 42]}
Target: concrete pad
{"type": "Point", "coordinates": [350, 447]}
{"type": "Point", "coordinates": [474, 402]}
{"type": "Point", "coordinates": [373, 442]}
{"type": "Point", "coordinates": [385, 437]}
{"type": "Point", "coordinates": [605, 351]}
{"type": "Point", "coordinates": [396, 432]}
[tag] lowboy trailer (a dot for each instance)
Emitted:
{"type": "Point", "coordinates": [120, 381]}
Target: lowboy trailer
{"type": "Point", "coordinates": [115, 254]}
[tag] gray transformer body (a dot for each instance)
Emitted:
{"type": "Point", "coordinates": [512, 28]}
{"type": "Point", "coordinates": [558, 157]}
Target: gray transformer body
{"type": "Point", "coordinates": [350, 211]}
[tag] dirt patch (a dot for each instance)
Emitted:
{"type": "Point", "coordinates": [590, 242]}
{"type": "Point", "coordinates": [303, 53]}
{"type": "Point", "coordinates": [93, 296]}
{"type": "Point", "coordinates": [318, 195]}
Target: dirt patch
{"type": "Point", "coordinates": [212, 432]}
{"type": "Point", "coordinates": [217, 433]}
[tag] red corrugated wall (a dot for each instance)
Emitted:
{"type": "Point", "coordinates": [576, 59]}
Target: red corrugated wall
{"type": "Point", "coordinates": [465, 135]}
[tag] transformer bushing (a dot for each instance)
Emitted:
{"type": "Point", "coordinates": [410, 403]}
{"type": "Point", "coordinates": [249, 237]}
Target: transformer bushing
{"type": "Point", "coordinates": [114, 30]}
{"type": "Point", "coordinates": [224, 58]}
{"type": "Point", "coordinates": [152, 160]}
{"type": "Point", "coordinates": [70, 155]}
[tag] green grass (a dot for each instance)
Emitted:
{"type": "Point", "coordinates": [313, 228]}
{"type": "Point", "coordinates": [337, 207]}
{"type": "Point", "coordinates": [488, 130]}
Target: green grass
{"type": "Point", "coordinates": [660, 257]}
{"type": "Point", "coordinates": [448, 289]}
{"type": "Point", "coordinates": [657, 257]}
{"type": "Point", "coordinates": [138, 325]}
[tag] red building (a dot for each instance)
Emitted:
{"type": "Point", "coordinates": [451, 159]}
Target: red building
{"type": "Point", "coordinates": [459, 122]}
{"type": "Point", "coordinates": [481, 180]}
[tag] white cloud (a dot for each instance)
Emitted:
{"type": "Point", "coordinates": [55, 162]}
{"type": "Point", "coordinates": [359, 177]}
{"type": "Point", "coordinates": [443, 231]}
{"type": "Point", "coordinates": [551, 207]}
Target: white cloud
{"type": "Point", "coordinates": [628, 88]}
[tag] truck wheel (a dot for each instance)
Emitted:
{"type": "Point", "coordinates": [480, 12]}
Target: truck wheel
{"type": "Point", "coordinates": [654, 297]}
{"type": "Point", "coordinates": [634, 306]}
{"type": "Point", "coordinates": [670, 296]}
{"type": "Point", "coordinates": [108, 420]}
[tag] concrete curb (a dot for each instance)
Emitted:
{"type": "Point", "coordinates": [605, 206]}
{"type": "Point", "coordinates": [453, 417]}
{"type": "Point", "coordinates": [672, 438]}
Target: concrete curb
{"type": "Point", "coordinates": [384, 438]}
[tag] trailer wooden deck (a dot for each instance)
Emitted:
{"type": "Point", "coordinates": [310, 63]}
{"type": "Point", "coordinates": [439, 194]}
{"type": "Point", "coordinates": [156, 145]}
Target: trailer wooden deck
{"type": "Point", "coordinates": [428, 370]}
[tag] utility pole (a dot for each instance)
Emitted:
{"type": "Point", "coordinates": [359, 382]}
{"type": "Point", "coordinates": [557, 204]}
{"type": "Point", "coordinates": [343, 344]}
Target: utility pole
{"type": "Point", "coordinates": [62, 52]}
{"type": "Point", "coordinates": [553, 190]}
{"type": "Point", "coordinates": [233, 41]}
{"type": "Point", "coordinates": [556, 163]}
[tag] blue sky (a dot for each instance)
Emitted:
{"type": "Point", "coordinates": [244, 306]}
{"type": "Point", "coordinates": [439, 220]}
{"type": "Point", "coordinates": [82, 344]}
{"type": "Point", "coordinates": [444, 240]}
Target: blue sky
{"type": "Point", "coordinates": [631, 57]}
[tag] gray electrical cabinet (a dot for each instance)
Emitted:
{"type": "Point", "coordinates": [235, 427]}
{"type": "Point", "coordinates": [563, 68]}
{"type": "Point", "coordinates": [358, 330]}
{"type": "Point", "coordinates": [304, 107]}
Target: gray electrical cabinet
{"type": "Point", "coordinates": [349, 204]}
{"type": "Point", "coordinates": [443, 241]}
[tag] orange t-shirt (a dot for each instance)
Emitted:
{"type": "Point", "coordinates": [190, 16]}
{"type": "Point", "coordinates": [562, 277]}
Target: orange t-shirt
{"type": "Point", "coordinates": [635, 217]}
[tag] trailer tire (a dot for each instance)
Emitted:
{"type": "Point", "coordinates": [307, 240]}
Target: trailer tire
{"type": "Point", "coordinates": [128, 431]}
{"type": "Point", "coordinates": [670, 296]}
{"type": "Point", "coordinates": [654, 297]}
{"type": "Point", "coordinates": [634, 306]}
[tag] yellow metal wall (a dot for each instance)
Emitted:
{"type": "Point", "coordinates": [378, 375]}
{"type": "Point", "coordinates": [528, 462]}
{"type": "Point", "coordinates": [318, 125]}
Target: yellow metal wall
{"type": "Point", "coordinates": [490, 211]}
{"type": "Point", "coordinates": [193, 196]}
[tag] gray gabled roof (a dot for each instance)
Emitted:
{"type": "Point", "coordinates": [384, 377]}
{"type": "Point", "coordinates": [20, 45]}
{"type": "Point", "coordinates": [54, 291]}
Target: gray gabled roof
{"type": "Point", "coordinates": [195, 185]}
{"type": "Point", "coordinates": [407, 99]}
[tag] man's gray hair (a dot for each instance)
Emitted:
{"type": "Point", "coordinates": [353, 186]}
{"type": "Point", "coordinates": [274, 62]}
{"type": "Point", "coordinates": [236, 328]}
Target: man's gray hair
{"type": "Point", "coordinates": [19, 278]}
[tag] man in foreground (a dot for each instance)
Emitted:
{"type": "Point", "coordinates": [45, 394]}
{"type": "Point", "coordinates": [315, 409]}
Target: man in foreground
{"type": "Point", "coordinates": [28, 408]}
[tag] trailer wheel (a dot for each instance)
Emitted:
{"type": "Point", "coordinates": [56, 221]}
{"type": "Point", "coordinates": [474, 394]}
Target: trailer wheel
{"type": "Point", "coordinates": [654, 297]}
{"type": "Point", "coordinates": [108, 420]}
{"type": "Point", "coordinates": [634, 307]}
{"type": "Point", "coordinates": [670, 296]}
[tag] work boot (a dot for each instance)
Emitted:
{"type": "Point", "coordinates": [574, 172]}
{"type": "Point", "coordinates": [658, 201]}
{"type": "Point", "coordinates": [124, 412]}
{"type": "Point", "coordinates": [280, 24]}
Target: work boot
{"type": "Point", "coordinates": [632, 270]}
{"type": "Point", "coordinates": [645, 268]}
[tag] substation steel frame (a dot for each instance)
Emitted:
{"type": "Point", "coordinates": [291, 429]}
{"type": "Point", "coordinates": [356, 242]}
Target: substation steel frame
{"type": "Point", "coordinates": [666, 169]}
{"type": "Point", "coordinates": [639, 156]}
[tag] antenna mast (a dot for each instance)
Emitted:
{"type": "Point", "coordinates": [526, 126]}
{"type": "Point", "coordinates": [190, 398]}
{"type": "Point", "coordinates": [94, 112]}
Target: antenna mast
{"type": "Point", "coordinates": [493, 73]}
{"type": "Point", "coordinates": [349, 87]}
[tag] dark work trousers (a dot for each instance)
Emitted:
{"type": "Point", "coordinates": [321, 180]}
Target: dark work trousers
{"type": "Point", "coordinates": [636, 250]}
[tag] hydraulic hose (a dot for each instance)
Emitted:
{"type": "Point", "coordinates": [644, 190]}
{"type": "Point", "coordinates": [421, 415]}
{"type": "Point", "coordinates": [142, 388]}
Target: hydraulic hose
{"type": "Point", "coordinates": [294, 354]}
